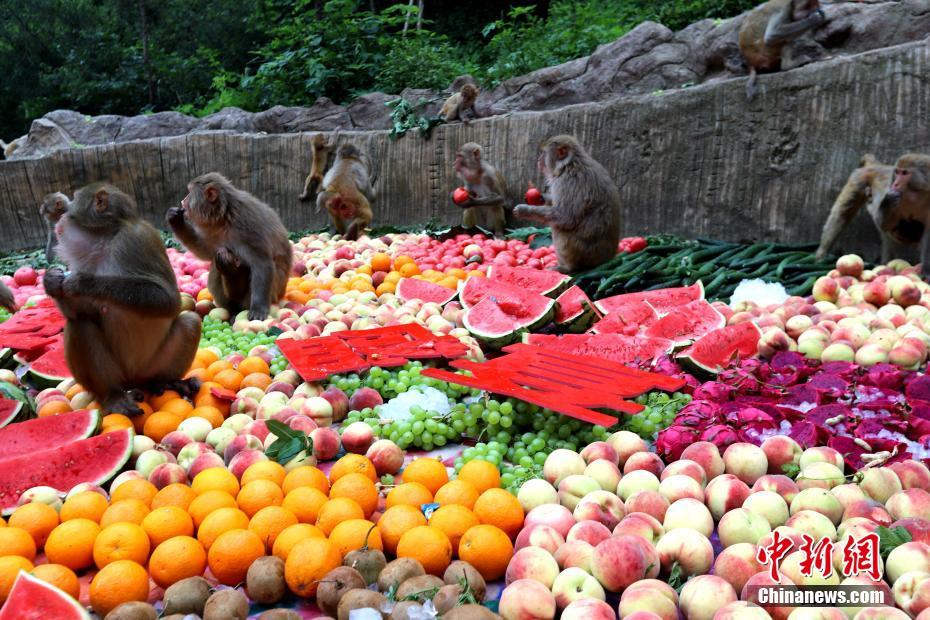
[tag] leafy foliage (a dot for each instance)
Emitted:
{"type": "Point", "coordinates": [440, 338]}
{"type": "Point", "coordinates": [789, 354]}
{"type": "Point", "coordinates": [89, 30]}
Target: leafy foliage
{"type": "Point", "coordinates": [404, 118]}
{"type": "Point", "coordinates": [289, 442]}
{"type": "Point", "coordinates": [890, 538]}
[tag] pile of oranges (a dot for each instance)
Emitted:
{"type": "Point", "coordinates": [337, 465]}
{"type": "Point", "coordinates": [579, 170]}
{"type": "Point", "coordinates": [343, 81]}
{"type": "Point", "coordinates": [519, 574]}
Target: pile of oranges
{"type": "Point", "coordinates": [403, 266]}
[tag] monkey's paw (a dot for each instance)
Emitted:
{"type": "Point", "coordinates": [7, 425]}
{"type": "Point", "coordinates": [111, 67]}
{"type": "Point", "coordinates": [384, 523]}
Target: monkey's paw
{"type": "Point", "coordinates": [124, 404]}
{"type": "Point", "coordinates": [258, 313]}
{"type": "Point", "coordinates": [522, 211]}
{"type": "Point", "coordinates": [175, 216]}
{"type": "Point", "coordinates": [54, 282]}
{"type": "Point", "coordinates": [226, 260]}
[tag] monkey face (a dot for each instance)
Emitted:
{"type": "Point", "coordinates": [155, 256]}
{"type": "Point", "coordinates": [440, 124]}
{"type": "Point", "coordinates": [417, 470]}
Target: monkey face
{"type": "Point", "coordinates": [203, 204]}
{"type": "Point", "coordinates": [803, 8]}
{"type": "Point", "coordinates": [348, 150]}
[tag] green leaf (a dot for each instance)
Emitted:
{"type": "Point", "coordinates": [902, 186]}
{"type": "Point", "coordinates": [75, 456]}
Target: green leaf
{"type": "Point", "coordinates": [675, 577]}
{"type": "Point", "coordinates": [283, 450]}
{"type": "Point", "coordinates": [791, 469]}
{"type": "Point", "coordinates": [890, 538]}
{"type": "Point", "coordinates": [281, 430]}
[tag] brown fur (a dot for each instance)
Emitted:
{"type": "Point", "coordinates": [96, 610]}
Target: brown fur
{"type": "Point", "coordinates": [6, 298]}
{"type": "Point", "coordinates": [321, 151]}
{"type": "Point", "coordinates": [349, 195]}
{"type": "Point", "coordinates": [461, 105]}
{"type": "Point", "coordinates": [243, 238]}
{"type": "Point", "coordinates": [121, 302]}
{"type": "Point", "coordinates": [10, 147]}
{"type": "Point", "coordinates": [585, 205]}
{"type": "Point", "coordinates": [52, 208]}
{"type": "Point", "coordinates": [485, 184]}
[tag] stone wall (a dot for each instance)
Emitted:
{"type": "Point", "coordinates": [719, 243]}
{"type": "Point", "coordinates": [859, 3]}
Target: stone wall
{"type": "Point", "coordinates": [699, 161]}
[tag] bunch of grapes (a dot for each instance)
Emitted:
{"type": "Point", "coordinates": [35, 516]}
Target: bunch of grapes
{"type": "Point", "coordinates": [660, 412]}
{"type": "Point", "coordinates": [220, 336]}
{"type": "Point", "coordinates": [393, 381]}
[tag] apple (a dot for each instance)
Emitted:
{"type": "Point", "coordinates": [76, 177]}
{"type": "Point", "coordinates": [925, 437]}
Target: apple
{"type": "Point", "coordinates": [574, 584]}
{"type": "Point", "coordinates": [745, 461]}
{"type": "Point", "coordinates": [533, 196]}
{"type": "Point", "coordinates": [691, 549]}
{"type": "Point", "coordinates": [687, 468]}
{"type": "Point", "coordinates": [573, 488]}
{"type": "Point", "coordinates": [783, 485]}
{"type": "Point", "coordinates": [679, 487]}
{"type": "Point", "coordinates": [740, 525]}
{"type": "Point", "coordinates": [639, 480]}
{"type": "Point", "coordinates": [724, 493]}
{"type": "Point", "coordinates": [650, 596]}
{"type": "Point", "coordinates": [689, 513]}
{"type": "Point", "coordinates": [737, 563]}
{"type": "Point", "coordinates": [541, 536]}
{"type": "Point", "coordinates": [907, 557]}
{"type": "Point", "coordinates": [703, 595]}
{"type": "Point", "coordinates": [640, 524]}
{"type": "Point", "coordinates": [768, 504]}
{"type": "Point", "coordinates": [556, 516]}
{"type": "Point", "coordinates": [880, 483]}
{"type": "Point", "coordinates": [600, 506]}
{"type": "Point", "coordinates": [588, 609]}
{"type": "Point", "coordinates": [526, 599]}
{"type": "Point", "coordinates": [575, 554]}
{"type": "Point", "coordinates": [652, 503]}
{"type": "Point", "coordinates": [605, 472]}
{"type": "Point", "coordinates": [781, 450]}
{"type": "Point", "coordinates": [626, 443]}
{"type": "Point", "coordinates": [532, 563]}
{"type": "Point", "coordinates": [619, 561]}
{"type": "Point", "coordinates": [818, 500]}
{"type": "Point", "coordinates": [536, 492]}
{"type": "Point", "coordinates": [592, 532]}
{"type": "Point", "coordinates": [461, 196]}
{"type": "Point", "coordinates": [561, 464]}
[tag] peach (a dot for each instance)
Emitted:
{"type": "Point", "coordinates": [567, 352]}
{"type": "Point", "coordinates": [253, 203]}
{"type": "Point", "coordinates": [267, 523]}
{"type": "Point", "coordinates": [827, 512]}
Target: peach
{"type": "Point", "coordinates": [689, 513]}
{"type": "Point", "coordinates": [681, 486]}
{"type": "Point", "coordinates": [650, 502]}
{"type": "Point", "coordinates": [600, 506]}
{"type": "Point", "coordinates": [781, 450]}
{"type": "Point", "coordinates": [640, 524]}
{"type": "Point", "coordinates": [794, 536]}
{"type": "Point", "coordinates": [884, 613]}
{"type": "Point", "coordinates": [575, 554]}
{"type": "Point", "coordinates": [643, 615]}
{"type": "Point", "coordinates": [302, 423]}
{"type": "Point", "coordinates": [591, 532]}
{"type": "Point", "coordinates": [588, 609]}
{"type": "Point", "coordinates": [651, 555]}
{"type": "Point", "coordinates": [745, 461]}
{"type": "Point", "coordinates": [742, 526]}
{"type": "Point", "coordinates": [817, 613]}
{"type": "Point", "coordinates": [204, 461]}
{"type": "Point", "coordinates": [685, 467]}
{"type": "Point", "coordinates": [741, 610]}
{"type": "Point", "coordinates": [820, 475]}
{"type": "Point", "coordinates": [532, 563]}
{"type": "Point", "coordinates": [325, 442]}
{"type": "Point", "coordinates": [850, 265]}
{"type": "Point", "coordinates": [562, 463]}
{"type": "Point", "coordinates": [909, 503]}
{"type": "Point", "coordinates": [574, 584]}
{"type": "Point", "coordinates": [880, 483]}
{"type": "Point", "coordinates": [357, 437]}
{"type": "Point", "coordinates": [818, 500]}
{"type": "Point", "coordinates": [647, 461]}
{"type": "Point", "coordinates": [909, 591]}
{"type": "Point", "coordinates": [783, 485]}
{"type": "Point", "coordinates": [826, 289]}
{"type": "Point", "coordinates": [626, 443]}
{"type": "Point", "coordinates": [790, 567]}
{"type": "Point", "coordinates": [856, 527]}
{"type": "Point", "coordinates": [737, 563]}
{"type": "Point", "coordinates": [912, 474]}
{"type": "Point", "coordinates": [536, 492]}
{"type": "Point", "coordinates": [245, 459]}
{"type": "Point", "coordinates": [724, 493]}
{"type": "Point", "coordinates": [868, 509]}
{"type": "Point", "coordinates": [605, 473]}
{"type": "Point", "coordinates": [820, 454]}
{"type": "Point", "coordinates": [364, 398]}
{"type": "Point", "coordinates": [768, 504]}
{"type": "Point", "coordinates": [167, 473]}
{"type": "Point", "coordinates": [526, 599]}
{"type": "Point", "coordinates": [750, 593]}
{"type": "Point", "coordinates": [918, 528]}
{"type": "Point", "coordinates": [555, 516]}
{"type": "Point", "coordinates": [652, 596]}
{"type": "Point", "coordinates": [848, 494]}
{"type": "Point", "coordinates": [573, 488]}
{"type": "Point", "coordinates": [907, 557]}
{"type": "Point", "coordinates": [600, 450]}
{"type": "Point", "coordinates": [705, 454]}
{"type": "Point", "coordinates": [864, 581]}
{"type": "Point", "coordinates": [619, 561]}
{"type": "Point", "coordinates": [813, 524]}
{"type": "Point", "coordinates": [703, 595]}
{"type": "Point", "coordinates": [541, 536]}
{"type": "Point", "coordinates": [386, 456]}
{"type": "Point", "coordinates": [691, 549]}
{"type": "Point", "coordinates": [639, 480]}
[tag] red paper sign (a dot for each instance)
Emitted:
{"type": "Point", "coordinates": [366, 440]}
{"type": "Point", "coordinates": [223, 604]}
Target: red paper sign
{"type": "Point", "coordinates": [569, 384]}
{"type": "Point", "coordinates": [355, 351]}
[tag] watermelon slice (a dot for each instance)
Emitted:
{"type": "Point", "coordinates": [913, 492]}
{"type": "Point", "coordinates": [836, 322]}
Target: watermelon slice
{"type": "Point", "coordinates": [686, 323]}
{"type": "Point", "coordinates": [613, 347]}
{"type": "Point", "coordinates": [542, 281]}
{"type": "Point", "coordinates": [32, 329]}
{"type": "Point", "coordinates": [46, 433]}
{"type": "Point", "coordinates": [629, 319]}
{"type": "Point", "coordinates": [92, 460]}
{"type": "Point", "coordinates": [574, 310]}
{"type": "Point", "coordinates": [661, 300]}
{"type": "Point", "coordinates": [529, 309]}
{"type": "Point", "coordinates": [33, 599]}
{"type": "Point", "coordinates": [50, 368]}
{"type": "Point", "coordinates": [12, 392]}
{"type": "Point", "coordinates": [490, 324]}
{"type": "Point", "coordinates": [9, 410]}
{"type": "Point", "coordinates": [714, 351]}
{"type": "Point", "coordinates": [408, 288]}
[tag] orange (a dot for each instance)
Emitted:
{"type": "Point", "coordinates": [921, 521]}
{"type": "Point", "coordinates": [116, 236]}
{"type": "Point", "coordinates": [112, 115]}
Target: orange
{"type": "Point", "coordinates": [232, 553]}
{"type": "Point", "coordinates": [498, 507]}
{"type": "Point", "coordinates": [167, 522]}
{"type": "Point", "coordinates": [358, 487]}
{"type": "Point", "coordinates": [36, 518]}
{"type": "Point", "coordinates": [488, 549]}
{"type": "Point", "coordinates": [229, 379]}
{"type": "Point", "coordinates": [10, 565]}
{"type": "Point", "coordinates": [457, 492]}
{"type": "Point", "coordinates": [205, 397]}
{"type": "Point", "coordinates": [176, 559]}
{"type": "Point", "coordinates": [409, 270]}
{"type": "Point", "coordinates": [17, 541]}
{"type": "Point", "coordinates": [305, 503]}
{"type": "Point", "coordinates": [196, 372]}
{"type": "Point", "coordinates": [165, 397]}
{"type": "Point", "coordinates": [141, 489]}
{"type": "Point", "coordinates": [457, 273]}
{"type": "Point", "coordinates": [160, 424]}
{"type": "Point", "coordinates": [481, 474]}
{"type": "Point", "coordinates": [308, 562]}
{"type": "Point", "coordinates": [219, 521]}
{"type": "Point", "coordinates": [59, 576]}
{"type": "Point", "coordinates": [218, 366]}
{"type": "Point", "coordinates": [397, 521]}
{"type": "Point", "coordinates": [264, 470]}
{"type": "Point", "coordinates": [252, 364]}
{"type": "Point", "coordinates": [385, 287]}
{"type": "Point", "coordinates": [121, 541]}
{"type": "Point", "coordinates": [73, 391]}
{"type": "Point", "coordinates": [336, 510]}
{"type": "Point", "coordinates": [206, 356]}
{"type": "Point", "coordinates": [53, 407]}
{"type": "Point", "coordinates": [271, 521]}
{"type": "Point", "coordinates": [401, 260]}
{"type": "Point", "coordinates": [72, 543]}
{"type": "Point", "coordinates": [215, 479]}
{"type": "Point", "coordinates": [115, 422]}
{"type": "Point", "coordinates": [138, 422]}
{"type": "Point", "coordinates": [176, 494]}
{"type": "Point", "coordinates": [256, 379]}
{"type": "Point", "coordinates": [259, 494]}
{"type": "Point", "coordinates": [204, 295]}
{"type": "Point", "coordinates": [354, 534]}
{"type": "Point", "coordinates": [208, 502]}
{"type": "Point", "coordinates": [305, 476]}
{"type": "Point", "coordinates": [177, 406]}
{"type": "Point", "coordinates": [475, 273]}
{"type": "Point", "coordinates": [117, 583]}
{"type": "Point", "coordinates": [381, 262]}
{"type": "Point", "coordinates": [129, 510]}
{"type": "Point", "coordinates": [449, 282]}
{"type": "Point", "coordinates": [293, 534]}
{"type": "Point", "coordinates": [353, 464]}
{"type": "Point", "coordinates": [454, 520]}
{"type": "Point", "coordinates": [85, 505]}
{"type": "Point", "coordinates": [427, 471]}
{"type": "Point", "coordinates": [211, 414]}
{"type": "Point", "coordinates": [429, 546]}
{"type": "Point", "coordinates": [409, 493]}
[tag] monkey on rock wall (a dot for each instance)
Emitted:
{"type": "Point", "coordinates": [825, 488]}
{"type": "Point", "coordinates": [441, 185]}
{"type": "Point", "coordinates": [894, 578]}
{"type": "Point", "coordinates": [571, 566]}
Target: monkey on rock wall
{"type": "Point", "coordinates": [124, 332]}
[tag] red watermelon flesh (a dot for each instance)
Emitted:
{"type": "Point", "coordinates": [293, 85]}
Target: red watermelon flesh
{"type": "Point", "coordinates": [687, 323]}
{"type": "Point", "coordinates": [542, 281]}
{"type": "Point", "coordinates": [613, 347]}
{"type": "Point", "coordinates": [661, 300]}
{"type": "Point", "coordinates": [525, 306]}
{"type": "Point", "coordinates": [9, 409]}
{"type": "Point", "coordinates": [46, 433]}
{"type": "Point", "coordinates": [572, 305]}
{"type": "Point", "coordinates": [717, 349]}
{"type": "Point", "coordinates": [629, 319]}
{"type": "Point", "coordinates": [51, 366]}
{"type": "Point", "coordinates": [93, 460]}
{"type": "Point", "coordinates": [408, 288]}
{"type": "Point", "coordinates": [31, 328]}
{"type": "Point", "coordinates": [487, 321]}
{"type": "Point", "coordinates": [34, 599]}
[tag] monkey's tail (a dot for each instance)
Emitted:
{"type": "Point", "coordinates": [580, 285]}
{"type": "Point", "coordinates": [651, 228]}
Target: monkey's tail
{"type": "Point", "coordinates": [751, 84]}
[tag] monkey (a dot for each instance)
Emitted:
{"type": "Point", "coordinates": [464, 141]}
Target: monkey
{"type": "Point", "coordinates": [52, 208]}
{"type": "Point", "coordinates": [348, 193]}
{"type": "Point", "coordinates": [10, 147]}
{"type": "Point", "coordinates": [243, 238]}
{"type": "Point", "coordinates": [769, 36]}
{"type": "Point", "coordinates": [7, 300]}
{"type": "Point", "coordinates": [485, 205]}
{"type": "Point", "coordinates": [583, 205]}
{"type": "Point", "coordinates": [904, 212]}
{"type": "Point", "coordinates": [461, 105]}
{"type": "Point", "coordinates": [321, 151]}
{"type": "Point", "coordinates": [124, 329]}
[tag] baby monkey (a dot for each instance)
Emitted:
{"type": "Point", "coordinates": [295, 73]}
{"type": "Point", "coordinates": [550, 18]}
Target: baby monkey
{"type": "Point", "coordinates": [52, 208]}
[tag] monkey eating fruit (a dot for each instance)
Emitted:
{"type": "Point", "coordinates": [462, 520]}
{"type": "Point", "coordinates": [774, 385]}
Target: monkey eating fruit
{"type": "Point", "coordinates": [534, 197]}
{"type": "Point", "coordinates": [482, 197]}
{"type": "Point", "coordinates": [348, 194]}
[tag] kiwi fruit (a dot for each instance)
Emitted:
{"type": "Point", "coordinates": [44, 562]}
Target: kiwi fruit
{"type": "Point", "coordinates": [132, 611]}
{"type": "Point", "coordinates": [334, 585]}
{"type": "Point", "coordinates": [265, 580]}
{"type": "Point", "coordinates": [423, 587]}
{"type": "Point", "coordinates": [447, 597]}
{"type": "Point", "coordinates": [463, 573]}
{"type": "Point", "coordinates": [187, 596]}
{"type": "Point", "coordinates": [179, 617]}
{"type": "Point", "coordinates": [397, 572]}
{"type": "Point", "coordinates": [226, 605]}
{"type": "Point", "coordinates": [279, 614]}
{"type": "Point", "coordinates": [401, 610]}
{"type": "Point", "coordinates": [369, 562]}
{"type": "Point", "coordinates": [360, 598]}
{"type": "Point", "coordinates": [471, 612]}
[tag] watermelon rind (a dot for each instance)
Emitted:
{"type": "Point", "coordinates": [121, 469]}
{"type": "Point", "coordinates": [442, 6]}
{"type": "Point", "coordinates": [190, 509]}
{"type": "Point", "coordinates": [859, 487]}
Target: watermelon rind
{"type": "Point", "coordinates": [10, 410]}
{"type": "Point", "coordinates": [13, 392]}
{"type": "Point", "coordinates": [542, 281]}
{"type": "Point", "coordinates": [50, 368]}
{"type": "Point", "coordinates": [410, 288]}
{"type": "Point", "coordinates": [491, 325]}
{"type": "Point", "coordinates": [660, 299]}
{"type": "Point", "coordinates": [6, 358]}
{"type": "Point", "coordinates": [94, 460]}
{"type": "Point", "coordinates": [31, 598]}
{"type": "Point", "coordinates": [46, 433]}
{"type": "Point", "coordinates": [530, 309]}
{"type": "Point", "coordinates": [575, 312]}
{"type": "Point", "coordinates": [685, 324]}
{"type": "Point", "coordinates": [738, 341]}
